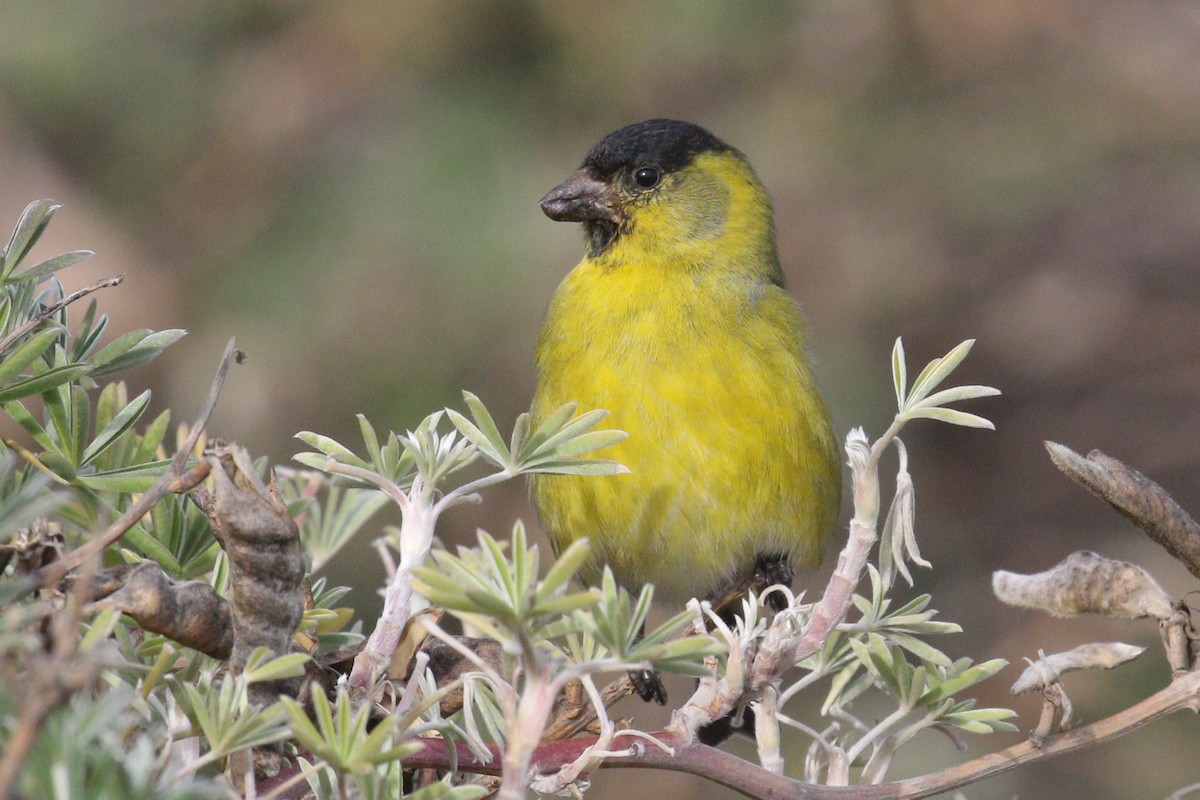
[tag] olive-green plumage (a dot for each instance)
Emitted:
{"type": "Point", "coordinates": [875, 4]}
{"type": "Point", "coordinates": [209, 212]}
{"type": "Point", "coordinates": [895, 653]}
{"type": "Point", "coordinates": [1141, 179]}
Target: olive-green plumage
{"type": "Point", "coordinates": [677, 322]}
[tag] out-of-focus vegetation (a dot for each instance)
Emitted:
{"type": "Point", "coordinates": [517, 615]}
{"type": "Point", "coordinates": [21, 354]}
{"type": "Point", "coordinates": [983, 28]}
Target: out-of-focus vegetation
{"type": "Point", "coordinates": [351, 189]}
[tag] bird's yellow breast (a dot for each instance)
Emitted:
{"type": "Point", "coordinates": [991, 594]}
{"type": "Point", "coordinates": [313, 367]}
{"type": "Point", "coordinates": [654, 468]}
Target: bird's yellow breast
{"type": "Point", "coordinates": [730, 450]}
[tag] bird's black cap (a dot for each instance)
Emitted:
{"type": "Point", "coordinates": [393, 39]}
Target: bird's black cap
{"type": "Point", "coordinates": [667, 144]}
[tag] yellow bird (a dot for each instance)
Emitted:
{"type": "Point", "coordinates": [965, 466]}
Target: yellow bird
{"type": "Point", "coordinates": [678, 323]}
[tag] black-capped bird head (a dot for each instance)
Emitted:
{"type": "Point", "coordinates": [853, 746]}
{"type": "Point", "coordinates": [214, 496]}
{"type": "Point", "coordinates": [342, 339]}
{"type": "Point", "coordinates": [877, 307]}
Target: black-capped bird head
{"type": "Point", "coordinates": [662, 185]}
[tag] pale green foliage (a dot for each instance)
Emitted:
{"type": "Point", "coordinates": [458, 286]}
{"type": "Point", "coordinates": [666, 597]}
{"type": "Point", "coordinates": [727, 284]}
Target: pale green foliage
{"type": "Point", "coordinates": [888, 651]}
{"type": "Point", "coordinates": [427, 453]}
{"type": "Point", "coordinates": [920, 401]}
{"type": "Point", "coordinates": [500, 593]}
{"type": "Point", "coordinates": [227, 720]}
{"type": "Point", "coordinates": [328, 517]}
{"type": "Point", "coordinates": [496, 589]}
{"type": "Point", "coordinates": [553, 448]}
{"type": "Point", "coordinates": [103, 749]}
{"type": "Point", "coordinates": [340, 737]}
{"type": "Point", "coordinates": [162, 720]}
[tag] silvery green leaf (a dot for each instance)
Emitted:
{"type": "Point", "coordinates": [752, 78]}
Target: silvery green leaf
{"type": "Point", "coordinates": [596, 467]}
{"type": "Point", "coordinates": [583, 443]}
{"type": "Point", "coordinates": [331, 448]}
{"type": "Point", "coordinates": [937, 371]}
{"type": "Point", "coordinates": [26, 353]}
{"type": "Point", "coordinates": [44, 381]}
{"type": "Point", "coordinates": [551, 425]}
{"type": "Point", "coordinates": [143, 349]}
{"type": "Point", "coordinates": [960, 680]}
{"type": "Point", "coordinates": [121, 423]}
{"type": "Point", "coordinates": [956, 394]}
{"type": "Point", "coordinates": [30, 225]}
{"type": "Point", "coordinates": [262, 667]}
{"type": "Point", "coordinates": [552, 432]}
{"type": "Point", "coordinates": [27, 421]}
{"type": "Point", "coordinates": [564, 568]}
{"type": "Point", "coordinates": [920, 649]}
{"type": "Point", "coordinates": [52, 265]}
{"type": "Point", "coordinates": [137, 478]}
{"type": "Point", "coordinates": [953, 416]}
{"type": "Point", "coordinates": [520, 434]}
{"type": "Point", "coordinates": [370, 438]}
{"type": "Point", "coordinates": [899, 372]}
{"type": "Point", "coordinates": [981, 720]}
{"type": "Point", "coordinates": [497, 454]}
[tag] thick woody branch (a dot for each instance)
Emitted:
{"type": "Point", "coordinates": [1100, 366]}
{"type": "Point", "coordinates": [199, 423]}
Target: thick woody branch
{"type": "Point", "coordinates": [1139, 499]}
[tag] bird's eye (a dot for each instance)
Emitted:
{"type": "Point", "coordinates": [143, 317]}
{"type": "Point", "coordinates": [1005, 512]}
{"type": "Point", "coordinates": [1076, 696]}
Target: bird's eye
{"type": "Point", "coordinates": [646, 177]}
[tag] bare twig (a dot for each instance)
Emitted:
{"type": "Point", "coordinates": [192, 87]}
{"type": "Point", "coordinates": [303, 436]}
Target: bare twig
{"type": "Point", "coordinates": [49, 311]}
{"type": "Point", "coordinates": [1139, 499]}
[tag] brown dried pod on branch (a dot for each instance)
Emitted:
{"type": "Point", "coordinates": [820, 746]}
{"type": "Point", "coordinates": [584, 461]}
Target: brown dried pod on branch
{"type": "Point", "coordinates": [266, 561]}
{"type": "Point", "coordinates": [1086, 583]}
{"type": "Point", "coordinates": [1097, 655]}
{"type": "Point", "coordinates": [1137, 498]}
{"type": "Point", "coordinates": [190, 612]}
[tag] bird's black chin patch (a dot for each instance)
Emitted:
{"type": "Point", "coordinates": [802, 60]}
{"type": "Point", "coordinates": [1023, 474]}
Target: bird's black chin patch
{"type": "Point", "coordinates": [599, 235]}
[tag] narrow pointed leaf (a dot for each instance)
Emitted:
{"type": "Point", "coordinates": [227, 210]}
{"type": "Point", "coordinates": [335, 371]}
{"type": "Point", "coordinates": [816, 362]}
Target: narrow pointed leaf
{"type": "Point", "coordinates": [369, 438]}
{"type": "Point", "coordinates": [551, 425]}
{"type": "Point", "coordinates": [137, 478]}
{"type": "Point", "coordinates": [26, 420]}
{"type": "Point", "coordinates": [148, 349]}
{"type": "Point", "coordinates": [122, 422]}
{"type": "Point", "coordinates": [332, 448]}
{"type": "Point", "coordinates": [569, 430]}
{"type": "Point", "coordinates": [52, 265]}
{"type": "Point", "coordinates": [44, 381]}
{"type": "Point", "coordinates": [899, 372]}
{"type": "Point", "coordinates": [596, 467]}
{"type": "Point", "coordinates": [584, 443]}
{"type": "Point", "coordinates": [967, 678]}
{"type": "Point", "coordinates": [485, 423]}
{"type": "Point", "coordinates": [956, 394]}
{"type": "Point", "coordinates": [564, 567]}
{"type": "Point", "coordinates": [30, 224]}
{"type": "Point", "coordinates": [26, 353]}
{"type": "Point", "coordinates": [953, 416]}
{"type": "Point", "coordinates": [937, 371]}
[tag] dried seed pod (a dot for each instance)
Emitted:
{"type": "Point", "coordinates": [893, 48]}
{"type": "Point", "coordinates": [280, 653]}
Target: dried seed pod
{"type": "Point", "coordinates": [1098, 655]}
{"type": "Point", "coordinates": [190, 612]}
{"type": "Point", "coordinates": [1086, 583]}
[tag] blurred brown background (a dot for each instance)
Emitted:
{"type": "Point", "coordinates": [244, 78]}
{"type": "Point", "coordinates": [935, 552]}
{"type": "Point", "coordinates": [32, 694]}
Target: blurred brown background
{"type": "Point", "coordinates": [351, 189]}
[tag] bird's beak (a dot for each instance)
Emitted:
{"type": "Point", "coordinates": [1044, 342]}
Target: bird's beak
{"type": "Point", "coordinates": [582, 197]}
